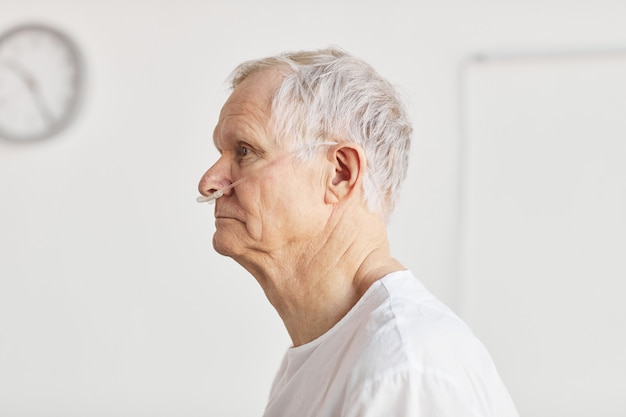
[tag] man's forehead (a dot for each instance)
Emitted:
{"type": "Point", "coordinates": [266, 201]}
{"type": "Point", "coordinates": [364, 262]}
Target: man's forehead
{"type": "Point", "coordinates": [241, 125]}
{"type": "Point", "coordinates": [247, 112]}
{"type": "Point", "coordinates": [258, 87]}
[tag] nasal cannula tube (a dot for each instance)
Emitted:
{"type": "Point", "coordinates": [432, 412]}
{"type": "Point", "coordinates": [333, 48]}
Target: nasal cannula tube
{"type": "Point", "coordinates": [220, 192]}
{"type": "Point", "coordinates": [217, 194]}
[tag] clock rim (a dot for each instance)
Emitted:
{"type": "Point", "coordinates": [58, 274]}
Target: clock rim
{"type": "Point", "coordinates": [78, 81]}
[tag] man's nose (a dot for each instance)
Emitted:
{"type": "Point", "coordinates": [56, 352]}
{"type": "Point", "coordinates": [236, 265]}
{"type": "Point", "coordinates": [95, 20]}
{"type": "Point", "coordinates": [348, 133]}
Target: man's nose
{"type": "Point", "coordinates": [216, 177]}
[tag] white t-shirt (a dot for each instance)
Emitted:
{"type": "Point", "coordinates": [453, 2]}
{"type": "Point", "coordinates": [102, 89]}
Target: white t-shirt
{"type": "Point", "coordinates": [398, 352]}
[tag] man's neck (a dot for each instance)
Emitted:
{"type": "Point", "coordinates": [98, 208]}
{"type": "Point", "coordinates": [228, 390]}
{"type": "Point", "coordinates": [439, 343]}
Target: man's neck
{"type": "Point", "coordinates": [316, 285]}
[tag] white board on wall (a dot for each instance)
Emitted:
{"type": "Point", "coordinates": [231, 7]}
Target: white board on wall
{"type": "Point", "coordinates": [544, 248]}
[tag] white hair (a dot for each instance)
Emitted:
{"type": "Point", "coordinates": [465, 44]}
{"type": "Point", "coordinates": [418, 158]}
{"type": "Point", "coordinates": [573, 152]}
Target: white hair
{"type": "Point", "coordinates": [329, 95]}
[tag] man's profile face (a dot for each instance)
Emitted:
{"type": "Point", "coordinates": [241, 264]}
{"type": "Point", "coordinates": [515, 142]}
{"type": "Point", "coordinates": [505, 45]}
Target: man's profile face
{"type": "Point", "coordinates": [280, 205]}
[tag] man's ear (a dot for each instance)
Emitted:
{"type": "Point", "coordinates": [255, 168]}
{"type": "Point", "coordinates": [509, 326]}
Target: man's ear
{"type": "Point", "coordinates": [348, 161]}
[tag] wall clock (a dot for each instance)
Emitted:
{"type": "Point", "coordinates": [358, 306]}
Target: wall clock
{"type": "Point", "coordinates": [41, 80]}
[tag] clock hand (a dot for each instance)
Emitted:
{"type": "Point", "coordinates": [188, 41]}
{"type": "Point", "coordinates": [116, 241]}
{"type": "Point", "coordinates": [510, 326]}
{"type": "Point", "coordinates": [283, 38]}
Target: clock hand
{"type": "Point", "coordinates": [33, 88]}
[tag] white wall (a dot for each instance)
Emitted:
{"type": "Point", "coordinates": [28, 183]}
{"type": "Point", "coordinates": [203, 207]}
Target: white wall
{"type": "Point", "coordinates": [111, 299]}
{"type": "Point", "coordinates": [545, 218]}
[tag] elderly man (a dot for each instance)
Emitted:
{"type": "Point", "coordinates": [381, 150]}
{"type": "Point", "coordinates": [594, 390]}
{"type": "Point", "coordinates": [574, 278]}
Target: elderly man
{"type": "Point", "coordinates": [314, 147]}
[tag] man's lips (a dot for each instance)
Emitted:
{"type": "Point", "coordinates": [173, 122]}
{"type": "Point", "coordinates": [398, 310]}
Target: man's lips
{"type": "Point", "coordinates": [226, 216]}
{"type": "Point", "coordinates": [225, 211]}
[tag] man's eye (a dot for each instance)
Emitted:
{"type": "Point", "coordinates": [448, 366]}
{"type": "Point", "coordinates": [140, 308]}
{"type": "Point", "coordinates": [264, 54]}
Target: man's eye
{"type": "Point", "coordinates": [246, 153]}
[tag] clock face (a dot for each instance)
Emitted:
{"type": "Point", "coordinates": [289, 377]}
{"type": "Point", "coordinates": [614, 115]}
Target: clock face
{"type": "Point", "coordinates": [40, 82]}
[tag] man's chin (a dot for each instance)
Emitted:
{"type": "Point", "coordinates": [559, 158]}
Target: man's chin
{"type": "Point", "coordinates": [225, 247]}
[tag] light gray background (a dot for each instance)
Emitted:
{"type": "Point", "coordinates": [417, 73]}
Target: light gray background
{"type": "Point", "coordinates": [112, 301]}
{"type": "Point", "coordinates": [545, 225]}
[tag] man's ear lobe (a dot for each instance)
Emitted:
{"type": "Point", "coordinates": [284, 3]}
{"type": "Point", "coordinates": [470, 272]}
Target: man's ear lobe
{"type": "Point", "coordinates": [349, 167]}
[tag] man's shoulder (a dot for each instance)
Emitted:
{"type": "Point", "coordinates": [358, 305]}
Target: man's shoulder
{"type": "Point", "coordinates": [406, 309]}
{"type": "Point", "coordinates": [414, 342]}
{"type": "Point", "coordinates": [409, 328]}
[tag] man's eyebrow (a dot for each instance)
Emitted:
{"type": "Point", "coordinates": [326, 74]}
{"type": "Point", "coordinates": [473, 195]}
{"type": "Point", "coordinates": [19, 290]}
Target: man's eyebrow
{"type": "Point", "coordinates": [230, 138]}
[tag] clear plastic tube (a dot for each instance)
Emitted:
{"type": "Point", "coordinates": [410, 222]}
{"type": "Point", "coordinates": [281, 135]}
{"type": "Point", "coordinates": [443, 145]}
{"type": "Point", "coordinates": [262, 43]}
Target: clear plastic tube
{"type": "Point", "coordinates": [220, 192]}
